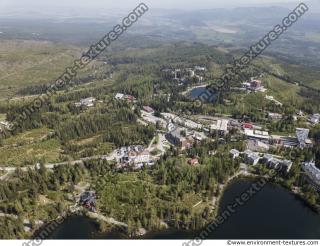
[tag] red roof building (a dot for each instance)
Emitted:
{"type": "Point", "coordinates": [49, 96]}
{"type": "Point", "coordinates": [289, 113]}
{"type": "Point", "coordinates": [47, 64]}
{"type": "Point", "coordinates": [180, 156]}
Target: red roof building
{"type": "Point", "coordinates": [247, 126]}
{"type": "Point", "coordinates": [193, 162]}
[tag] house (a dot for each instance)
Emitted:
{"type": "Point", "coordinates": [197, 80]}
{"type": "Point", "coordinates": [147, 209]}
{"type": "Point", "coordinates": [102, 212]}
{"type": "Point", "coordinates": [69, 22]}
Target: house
{"type": "Point", "coordinates": [255, 84]}
{"type": "Point", "coordinates": [274, 116]}
{"type": "Point", "coordinates": [142, 157]}
{"type": "Point", "coordinates": [88, 200]}
{"type": "Point", "coordinates": [148, 109]}
{"type": "Point", "coordinates": [129, 98]}
{"type": "Point", "coordinates": [200, 68]}
{"type": "Point", "coordinates": [199, 136]}
{"type": "Point", "coordinates": [5, 124]}
{"type": "Point", "coordinates": [315, 119]}
{"type": "Point", "coordinates": [235, 153]}
{"type": "Point", "coordinates": [251, 157]}
{"type": "Point", "coordinates": [193, 162]}
{"type": "Point", "coordinates": [87, 102]}
{"type": "Point", "coordinates": [220, 126]}
{"type": "Point", "coordinates": [119, 96]}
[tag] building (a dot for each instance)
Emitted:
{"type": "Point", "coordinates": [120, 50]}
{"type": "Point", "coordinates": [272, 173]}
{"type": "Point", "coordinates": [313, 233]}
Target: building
{"type": "Point", "coordinates": [247, 126]}
{"type": "Point", "coordinates": [220, 126]}
{"type": "Point", "coordinates": [150, 118]}
{"type": "Point", "coordinates": [303, 137]}
{"type": "Point", "coordinates": [129, 98]}
{"type": "Point", "coordinates": [193, 162]}
{"type": "Point", "coordinates": [315, 119]}
{"type": "Point", "coordinates": [87, 102]}
{"type": "Point", "coordinates": [199, 136]}
{"type": "Point", "coordinates": [255, 84]}
{"type": "Point", "coordinates": [191, 124]}
{"type": "Point", "coordinates": [148, 109]}
{"type": "Point", "coordinates": [5, 124]}
{"type": "Point", "coordinates": [251, 157]}
{"type": "Point", "coordinates": [175, 137]}
{"type": "Point", "coordinates": [119, 96]}
{"type": "Point", "coordinates": [88, 200]}
{"type": "Point", "coordinates": [200, 68]}
{"type": "Point", "coordinates": [312, 171]}
{"type": "Point", "coordinates": [271, 162]}
{"type": "Point", "coordinates": [135, 155]}
{"type": "Point", "coordinates": [234, 153]}
{"type": "Point", "coordinates": [257, 135]}
{"type": "Point", "coordinates": [274, 116]}
{"type": "Point", "coordinates": [142, 157]}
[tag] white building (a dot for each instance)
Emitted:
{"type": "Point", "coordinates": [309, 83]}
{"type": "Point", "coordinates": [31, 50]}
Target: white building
{"type": "Point", "coordinates": [88, 102]}
{"type": "Point", "coordinates": [142, 157]}
{"type": "Point", "coordinates": [315, 119]}
{"type": "Point", "coordinates": [235, 153]}
{"type": "Point", "coordinates": [302, 136]}
{"type": "Point", "coordinates": [274, 116]}
{"type": "Point", "coordinates": [220, 125]}
{"type": "Point", "coordinates": [119, 96]}
{"type": "Point", "coordinates": [257, 134]}
{"type": "Point", "coordinates": [5, 124]}
{"type": "Point", "coordinates": [192, 125]}
{"type": "Point", "coordinates": [200, 68]}
{"type": "Point", "coordinates": [251, 157]}
{"type": "Point", "coordinates": [312, 171]}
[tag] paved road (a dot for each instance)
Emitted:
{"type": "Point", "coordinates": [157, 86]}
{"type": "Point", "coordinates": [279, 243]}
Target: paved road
{"type": "Point", "coordinates": [11, 170]}
{"type": "Point", "coordinates": [9, 216]}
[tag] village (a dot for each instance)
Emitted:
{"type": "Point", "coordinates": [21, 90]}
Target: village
{"type": "Point", "coordinates": [182, 132]}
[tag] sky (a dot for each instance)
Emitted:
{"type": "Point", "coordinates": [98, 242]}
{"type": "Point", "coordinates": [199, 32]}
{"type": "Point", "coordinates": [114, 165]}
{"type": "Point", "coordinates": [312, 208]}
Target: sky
{"type": "Point", "coordinates": [129, 4]}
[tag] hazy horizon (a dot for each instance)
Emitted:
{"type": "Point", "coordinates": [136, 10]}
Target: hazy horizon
{"type": "Point", "coordinates": [11, 5]}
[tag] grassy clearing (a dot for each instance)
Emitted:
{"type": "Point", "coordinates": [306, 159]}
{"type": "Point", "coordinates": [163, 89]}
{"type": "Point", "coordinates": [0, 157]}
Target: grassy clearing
{"type": "Point", "coordinates": [281, 89]}
{"type": "Point", "coordinates": [48, 150]}
{"type": "Point", "coordinates": [3, 116]}
{"type": "Point", "coordinates": [35, 135]}
{"type": "Point", "coordinates": [26, 63]}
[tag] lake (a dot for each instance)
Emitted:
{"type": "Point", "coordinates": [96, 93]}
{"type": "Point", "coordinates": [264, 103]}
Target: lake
{"type": "Point", "coordinates": [273, 213]}
{"type": "Point", "coordinates": [196, 92]}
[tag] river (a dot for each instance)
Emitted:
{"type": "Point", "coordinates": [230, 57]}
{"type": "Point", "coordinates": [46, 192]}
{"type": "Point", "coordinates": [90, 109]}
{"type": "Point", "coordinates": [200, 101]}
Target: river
{"type": "Point", "coordinates": [273, 213]}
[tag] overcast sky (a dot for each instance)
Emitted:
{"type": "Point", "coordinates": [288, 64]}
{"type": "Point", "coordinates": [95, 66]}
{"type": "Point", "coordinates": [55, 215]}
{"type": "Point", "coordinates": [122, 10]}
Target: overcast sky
{"type": "Point", "coordinates": [176, 4]}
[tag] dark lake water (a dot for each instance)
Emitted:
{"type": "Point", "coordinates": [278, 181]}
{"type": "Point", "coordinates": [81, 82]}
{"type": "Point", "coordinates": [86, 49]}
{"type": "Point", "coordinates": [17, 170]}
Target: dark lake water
{"type": "Point", "coordinates": [273, 213]}
{"type": "Point", "coordinates": [195, 94]}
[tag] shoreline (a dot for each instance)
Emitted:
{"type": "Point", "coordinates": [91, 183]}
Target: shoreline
{"type": "Point", "coordinates": [216, 204]}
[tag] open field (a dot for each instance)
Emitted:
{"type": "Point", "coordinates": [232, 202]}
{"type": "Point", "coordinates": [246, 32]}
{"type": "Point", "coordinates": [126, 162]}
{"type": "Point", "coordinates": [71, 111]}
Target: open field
{"type": "Point", "coordinates": [35, 135]}
{"type": "Point", "coordinates": [281, 89]}
{"type": "Point", "coordinates": [25, 63]}
{"type": "Point", "coordinates": [48, 151]}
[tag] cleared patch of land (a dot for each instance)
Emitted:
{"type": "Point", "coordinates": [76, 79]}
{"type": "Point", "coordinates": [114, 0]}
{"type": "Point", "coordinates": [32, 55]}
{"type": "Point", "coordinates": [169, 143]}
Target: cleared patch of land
{"type": "Point", "coordinates": [48, 150]}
